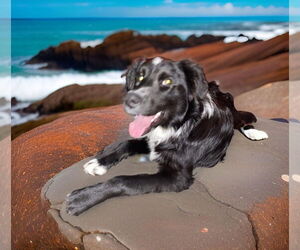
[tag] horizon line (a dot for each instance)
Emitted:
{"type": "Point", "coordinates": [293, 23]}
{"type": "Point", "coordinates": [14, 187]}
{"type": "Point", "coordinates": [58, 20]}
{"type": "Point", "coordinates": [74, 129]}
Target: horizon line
{"type": "Point", "coordinates": [251, 16]}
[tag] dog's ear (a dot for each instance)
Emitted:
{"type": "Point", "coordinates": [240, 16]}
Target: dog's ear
{"type": "Point", "coordinates": [195, 77]}
{"type": "Point", "coordinates": [131, 72]}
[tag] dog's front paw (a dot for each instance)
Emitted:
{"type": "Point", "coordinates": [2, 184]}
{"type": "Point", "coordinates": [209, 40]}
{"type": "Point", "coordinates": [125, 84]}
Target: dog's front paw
{"type": "Point", "coordinates": [93, 167]}
{"type": "Point", "coordinates": [255, 134]}
{"type": "Point", "coordinates": [78, 201]}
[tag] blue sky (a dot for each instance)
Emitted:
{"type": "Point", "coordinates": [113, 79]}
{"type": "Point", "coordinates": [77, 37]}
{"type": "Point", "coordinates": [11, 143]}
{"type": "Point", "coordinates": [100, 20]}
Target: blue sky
{"type": "Point", "coordinates": [146, 8]}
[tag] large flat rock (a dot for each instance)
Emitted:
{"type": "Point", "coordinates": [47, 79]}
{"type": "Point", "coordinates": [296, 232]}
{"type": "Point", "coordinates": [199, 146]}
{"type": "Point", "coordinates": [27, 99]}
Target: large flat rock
{"type": "Point", "coordinates": [242, 203]}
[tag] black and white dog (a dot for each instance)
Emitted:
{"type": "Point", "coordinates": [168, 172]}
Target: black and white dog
{"type": "Point", "coordinates": [181, 120]}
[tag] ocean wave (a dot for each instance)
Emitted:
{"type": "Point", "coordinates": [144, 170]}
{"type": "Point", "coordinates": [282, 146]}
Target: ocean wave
{"type": "Point", "coordinates": [5, 87]}
{"type": "Point", "coordinates": [29, 88]}
{"type": "Point", "coordinates": [5, 61]}
{"type": "Point", "coordinates": [4, 119]}
{"type": "Point", "coordinates": [91, 43]}
{"type": "Point", "coordinates": [258, 34]}
{"type": "Point", "coordinates": [294, 27]}
{"type": "Point", "coordinates": [17, 118]}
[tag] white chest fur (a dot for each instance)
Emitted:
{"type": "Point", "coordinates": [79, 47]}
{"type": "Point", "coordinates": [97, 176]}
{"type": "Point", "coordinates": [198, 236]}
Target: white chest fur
{"type": "Point", "coordinates": [159, 135]}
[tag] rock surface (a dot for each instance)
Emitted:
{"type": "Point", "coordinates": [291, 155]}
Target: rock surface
{"type": "Point", "coordinates": [5, 193]}
{"type": "Point", "coordinates": [268, 101]}
{"type": "Point", "coordinates": [239, 204]}
{"type": "Point", "coordinates": [76, 96]}
{"type": "Point", "coordinates": [41, 153]}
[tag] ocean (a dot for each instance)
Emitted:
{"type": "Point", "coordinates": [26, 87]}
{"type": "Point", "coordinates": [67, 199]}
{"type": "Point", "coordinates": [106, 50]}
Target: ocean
{"type": "Point", "coordinates": [29, 36]}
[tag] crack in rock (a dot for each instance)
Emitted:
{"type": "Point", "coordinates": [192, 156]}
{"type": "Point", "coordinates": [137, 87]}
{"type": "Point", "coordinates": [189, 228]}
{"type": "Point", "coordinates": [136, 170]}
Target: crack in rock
{"type": "Point", "coordinates": [254, 233]}
{"type": "Point", "coordinates": [73, 233]}
{"type": "Point", "coordinates": [84, 233]}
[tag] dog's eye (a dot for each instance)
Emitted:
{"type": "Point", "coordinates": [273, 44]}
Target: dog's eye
{"type": "Point", "coordinates": [141, 77]}
{"type": "Point", "coordinates": [167, 82]}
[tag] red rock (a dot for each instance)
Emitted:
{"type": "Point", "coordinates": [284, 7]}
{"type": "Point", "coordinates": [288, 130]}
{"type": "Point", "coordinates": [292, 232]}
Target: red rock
{"type": "Point", "coordinates": [77, 97]}
{"type": "Point", "coordinates": [248, 76]}
{"type": "Point", "coordinates": [268, 101]}
{"type": "Point", "coordinates": [201, 52]}
{"type": "Point", "coordinates": [248, 53]}
{"type": "Point", "coordinates": [41, 153]}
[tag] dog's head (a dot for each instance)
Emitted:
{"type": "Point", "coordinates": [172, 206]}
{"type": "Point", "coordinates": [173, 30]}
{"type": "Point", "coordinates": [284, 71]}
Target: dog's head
{"type": "Point", "coordinates": [159, 92]}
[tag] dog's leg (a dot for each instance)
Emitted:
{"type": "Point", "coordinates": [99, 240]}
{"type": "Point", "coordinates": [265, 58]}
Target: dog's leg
{"type": "Point", "coordinates": [243, 121]}
{"type": "Point", "coordinates": [113, 154]}
{"type": "Point", "coordinates": [82, 199]}
{"type": "Point", "coordinates": [254, 134]}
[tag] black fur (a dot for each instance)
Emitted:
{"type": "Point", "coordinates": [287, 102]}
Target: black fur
{"type": "Point", "coordinates": [205, 117]}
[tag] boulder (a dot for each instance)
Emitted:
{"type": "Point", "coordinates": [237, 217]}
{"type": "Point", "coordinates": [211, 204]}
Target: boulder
{"type": "Point", "coordinates": [76, 96]}
{"type": "Point", "coordinates": [242, 203]}
{"type": "Point", "coordinates": [232, 204]}
{"type": "Point", "coordinates": [247, 53]}
{"type": "Point", "coordinates": [248, 76]}
{"type": "Point", "coordinates": [41, 153]}
{"type": "Point", "coordinates": [269, 101]}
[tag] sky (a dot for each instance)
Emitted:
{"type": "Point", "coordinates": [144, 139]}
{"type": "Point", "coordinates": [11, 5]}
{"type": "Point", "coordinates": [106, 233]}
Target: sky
{"type": "Point", "coordinates": [146, 8]}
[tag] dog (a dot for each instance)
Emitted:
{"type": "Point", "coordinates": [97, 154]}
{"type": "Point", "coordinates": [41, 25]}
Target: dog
{"type": "Point", "coordinates": [181, 120]}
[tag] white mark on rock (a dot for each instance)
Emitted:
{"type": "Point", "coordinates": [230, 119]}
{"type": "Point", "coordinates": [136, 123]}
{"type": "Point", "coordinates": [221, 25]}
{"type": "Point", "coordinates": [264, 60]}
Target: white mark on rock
{"type": "Point", "coordinates": [98, 238]}
{"type": "Point", "coordinates": [285, 177]}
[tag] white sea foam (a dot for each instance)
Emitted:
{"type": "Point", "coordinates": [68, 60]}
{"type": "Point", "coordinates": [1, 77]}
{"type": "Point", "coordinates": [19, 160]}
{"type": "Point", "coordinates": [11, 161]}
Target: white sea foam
{"type": "Point", "coordinates": [4, 118]}
{"type": "Point", "coordinates": [294, 27]}
{"type": "Point", "coordinates": [263, 32]}
{"type": "Point", "coordinates": [17, 118]}
{"type": "Point", "coordinates": [5, 87]}
{"type": "Point", "coordinates": [29, 88]}
{"type": "Point", "coordinates": [91, 43]}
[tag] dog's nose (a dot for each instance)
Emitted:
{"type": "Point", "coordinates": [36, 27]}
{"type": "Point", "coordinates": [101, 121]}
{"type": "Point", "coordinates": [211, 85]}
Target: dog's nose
{"type": "Point", "coordinates": [132, 100]}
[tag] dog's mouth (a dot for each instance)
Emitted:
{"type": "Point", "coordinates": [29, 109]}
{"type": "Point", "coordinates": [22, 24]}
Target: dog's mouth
{"type": "Point", "coordinates": [143, 124]}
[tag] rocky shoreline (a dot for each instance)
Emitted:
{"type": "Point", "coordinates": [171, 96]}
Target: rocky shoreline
{"type": "Point", "coordinates": [239, 67]}
{"type": "Point", "coordinates": [116, 52]}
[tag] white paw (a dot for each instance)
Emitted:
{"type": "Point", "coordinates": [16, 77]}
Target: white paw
{"type": "Point", "coordinates": [92, 167]}
{"type": "Point", "coordinates": [255, 135]}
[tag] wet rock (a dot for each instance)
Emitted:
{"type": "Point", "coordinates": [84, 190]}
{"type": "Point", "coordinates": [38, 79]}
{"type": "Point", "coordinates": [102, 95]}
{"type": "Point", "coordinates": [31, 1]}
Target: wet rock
{"type": "Point", "coordinates": [14, 101]}
{"type": "Point", "coordinates": [194, 40]}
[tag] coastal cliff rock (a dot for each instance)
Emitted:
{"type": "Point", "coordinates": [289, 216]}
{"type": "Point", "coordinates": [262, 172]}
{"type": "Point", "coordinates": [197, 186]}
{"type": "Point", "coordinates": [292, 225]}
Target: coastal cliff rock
{"type": "Point", "coordinates": [236, 196]}
{"type": "Point", "coordinates": [116, 52]}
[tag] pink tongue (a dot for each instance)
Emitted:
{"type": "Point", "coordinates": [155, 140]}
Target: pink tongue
{"type": "Point", "coordinates": [140, 125]}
